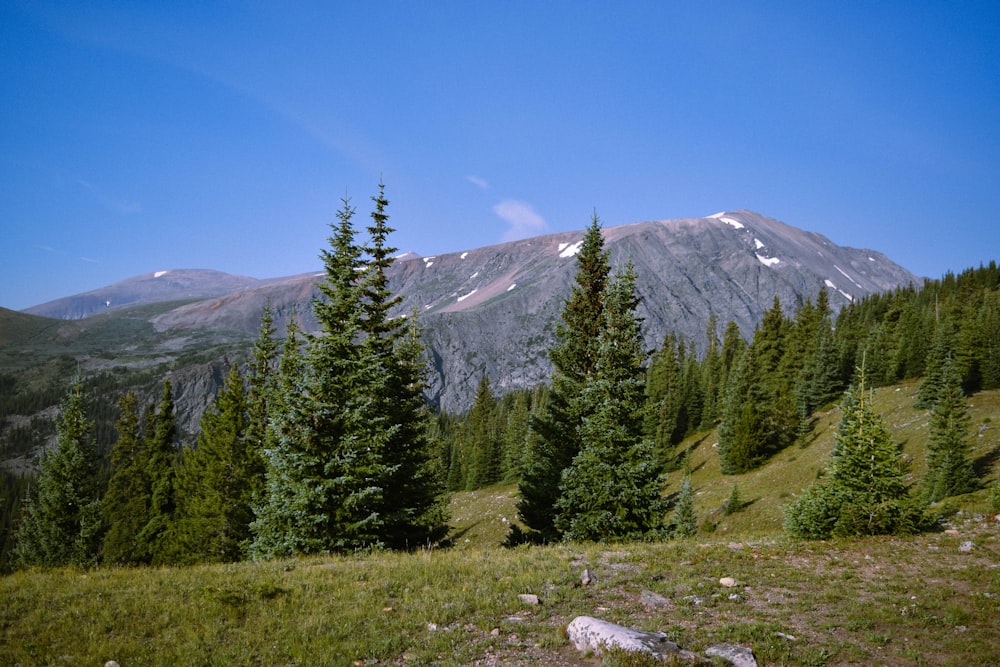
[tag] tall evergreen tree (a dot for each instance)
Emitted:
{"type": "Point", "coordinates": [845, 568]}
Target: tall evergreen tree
{"type": "Point", "coordinates": [125, 505]}
{"type": "Point", "coordinates": [395, 414]}
{"type": "Point", "coordinates": [216, 481]}
{"type": "Point", "coordinates": [160, 460]}
{"type": "Point", "coordinates": [949, 468]}
{"type": "Point", "coordinates": [483, 441]}
{"type": "Point", "coordinates": [261, 387]}
{"type": "Point", "coordinates": [350, 463]}
{"type": "Point", "coordinates": [61, 522]}
{"type": "Point", "coordinates": [611, 490]}
{"type": "Point", "coordinates": [285, 521]}
{"type": "Point", "coordinates": [515, 435]}
{"type": "Point", "coordinates": [711, 364]}
{"type": "Point", "coordinates": [758, 414]}
{"type": "Point", "coordinates": [555, 440]}
{"type": "Point", "coordinates": [664, 396]}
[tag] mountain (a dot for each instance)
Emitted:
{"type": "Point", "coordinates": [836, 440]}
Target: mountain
{"type": "Point", "coordinates": [494, 309]}
{"type": "Point", "coordinates": [148, 288]}
{"type": "Point", "coordinates": [491, 309]}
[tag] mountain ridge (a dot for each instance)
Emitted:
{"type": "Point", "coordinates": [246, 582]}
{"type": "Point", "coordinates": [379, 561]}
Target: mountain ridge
{"type": "Point", "coordinates": [494, 309]}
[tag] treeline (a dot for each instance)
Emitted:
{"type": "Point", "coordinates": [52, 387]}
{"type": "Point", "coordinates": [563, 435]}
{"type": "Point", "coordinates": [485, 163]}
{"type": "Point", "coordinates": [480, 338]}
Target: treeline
{"type": "Point", "coordinates": [762, 391]}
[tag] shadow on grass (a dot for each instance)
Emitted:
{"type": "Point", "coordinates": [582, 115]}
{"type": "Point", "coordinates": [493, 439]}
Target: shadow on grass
{"type": "Point", "coordinates": [984, 463]}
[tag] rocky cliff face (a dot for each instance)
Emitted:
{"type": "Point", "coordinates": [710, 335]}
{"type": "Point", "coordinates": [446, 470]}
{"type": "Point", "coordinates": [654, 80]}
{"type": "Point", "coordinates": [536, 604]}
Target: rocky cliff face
{"type": "Point", "coordinates": [494, 309]}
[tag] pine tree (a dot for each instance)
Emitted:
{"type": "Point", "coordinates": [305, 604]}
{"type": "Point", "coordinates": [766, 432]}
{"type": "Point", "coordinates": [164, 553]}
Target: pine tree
{"type": "Point", "coordinates": [61, 522]}
{"type": "Point", "coordinates": [125, 505]}
{"type": "Point", "coordinates": [758, 413]}
{"type": "Point", "coordinates": [515, 436]}
{"type": "Point", "coordinates": [611, 490]}
{"type": "Point", "coordinates": [350, 464]}
{"type": "Point", "coordinates": [555, 439]}
{"type": "Point", "coordinates": [215, 482]}
{"type": "Point", "coordinates": [734, 503]}
{"type": "Point", "coordinates": [949, 469]}
{"type": "Point", "coordinates": [483, 441]}
{"type": "Point", "coordinates": [285, 521]}
{"type": "Point", "coordinates": [684, 521]}
{"type": "Point", "coordinates": [865, 492]}
{"type": "Point", "coordinates": [664, 396]}
{"type": "Point", "coordinates": [711, 365]}
{"type": "Point", "coordinates": [413, 511]}
{"type": "Point", "coordinates": [314, 467]}
{"type": "Point", "coordinates": [261, 383]}
{"type": "Point", "coordinates": [161, 431]}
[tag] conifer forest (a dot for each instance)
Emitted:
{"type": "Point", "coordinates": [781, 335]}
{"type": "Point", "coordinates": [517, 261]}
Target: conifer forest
{"type": "Point", "coordinates": [324, 443]}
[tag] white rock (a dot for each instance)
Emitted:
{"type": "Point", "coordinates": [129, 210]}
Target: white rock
{"type": "Point", "coordinates": [529, 598]}
{"type": "Point", "coordinates": [728, 582]}
{"type": "Point", "coordinates": [740, 656]}
{"type": "Point", "coordinates": [592, 634]}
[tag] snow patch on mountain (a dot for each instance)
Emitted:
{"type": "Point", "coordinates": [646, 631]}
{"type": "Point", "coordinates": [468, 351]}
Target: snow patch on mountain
{"type": "Point", "coordinates": [160, 274]}
{"type": "Point", "coordinates": [567, 250]}
{"type": "Point", "coordinates": [732, 222]}
{"type": "Point", "coordinates": [466, 296]}
{"type": "Point", "coordinates": [844, 273]}
{"type": "Point", "coordinates": [767, 261]}
{"type": "Point", "coordinates": [831, 285]}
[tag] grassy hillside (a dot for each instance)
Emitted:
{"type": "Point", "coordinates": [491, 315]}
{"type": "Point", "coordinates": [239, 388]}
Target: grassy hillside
{"type": "Point", "coordinates": [928, 599]}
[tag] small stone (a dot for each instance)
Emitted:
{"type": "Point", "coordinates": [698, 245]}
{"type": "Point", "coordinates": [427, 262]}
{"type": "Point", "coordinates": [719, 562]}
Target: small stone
{"type": "Point", "coordinates": [728, 582]}
{"type": "Point", "coordinates": [740, 656]}
{"type": "Point", "coordinates": [654, 600]}
{"type": "Point", "coordinates": [112, 663]}
{"type": "Point", "coordinates": [431, 627]}
{"type": "Point", "coordinates": [966, 546]}
{"type": "Point", "coordinates": [495, 632]}
{"type": "Point", "coordinates": [790, 638]}
{"type": "Point", "coordinates": [587, 578]}
{"type": "Point", "coordinates": [529, 598]}
{"type": "Point", "coordinates": [951, 531]}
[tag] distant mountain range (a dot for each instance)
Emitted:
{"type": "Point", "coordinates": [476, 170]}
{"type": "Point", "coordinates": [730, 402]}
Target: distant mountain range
{"type": "Point", "coordinates": [494, 309]}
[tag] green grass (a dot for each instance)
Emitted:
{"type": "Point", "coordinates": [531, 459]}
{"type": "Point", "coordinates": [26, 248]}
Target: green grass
{"type": "Point", "coordinates": [886, 601]}
{"type": "Point", "coordinates": [889, 601]}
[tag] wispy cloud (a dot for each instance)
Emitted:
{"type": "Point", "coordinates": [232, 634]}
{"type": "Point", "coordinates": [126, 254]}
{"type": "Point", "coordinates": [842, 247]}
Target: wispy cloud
{"type": "Point", "coordinates": [522, 219]}
{"type": "Point", "coordinates": [478, 181]}
{"type": "Point", "coordinates": [90, 260]}
{"type": "Point", "coordinates": [113, 204]}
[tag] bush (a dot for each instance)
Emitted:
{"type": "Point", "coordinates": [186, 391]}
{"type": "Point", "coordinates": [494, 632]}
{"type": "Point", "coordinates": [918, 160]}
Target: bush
{"type": "Point", "coordinates": [995, 496]}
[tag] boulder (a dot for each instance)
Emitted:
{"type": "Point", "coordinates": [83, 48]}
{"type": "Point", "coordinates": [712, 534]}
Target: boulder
{"type": "Point", "coordinates": [592, 634]}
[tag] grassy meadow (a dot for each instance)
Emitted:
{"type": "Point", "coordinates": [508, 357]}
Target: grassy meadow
{"type": "Point", "coordinates": [929, 599]}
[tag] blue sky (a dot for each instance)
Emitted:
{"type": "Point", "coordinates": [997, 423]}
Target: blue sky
{"type": "Point", "coordinates": [142, 136]}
